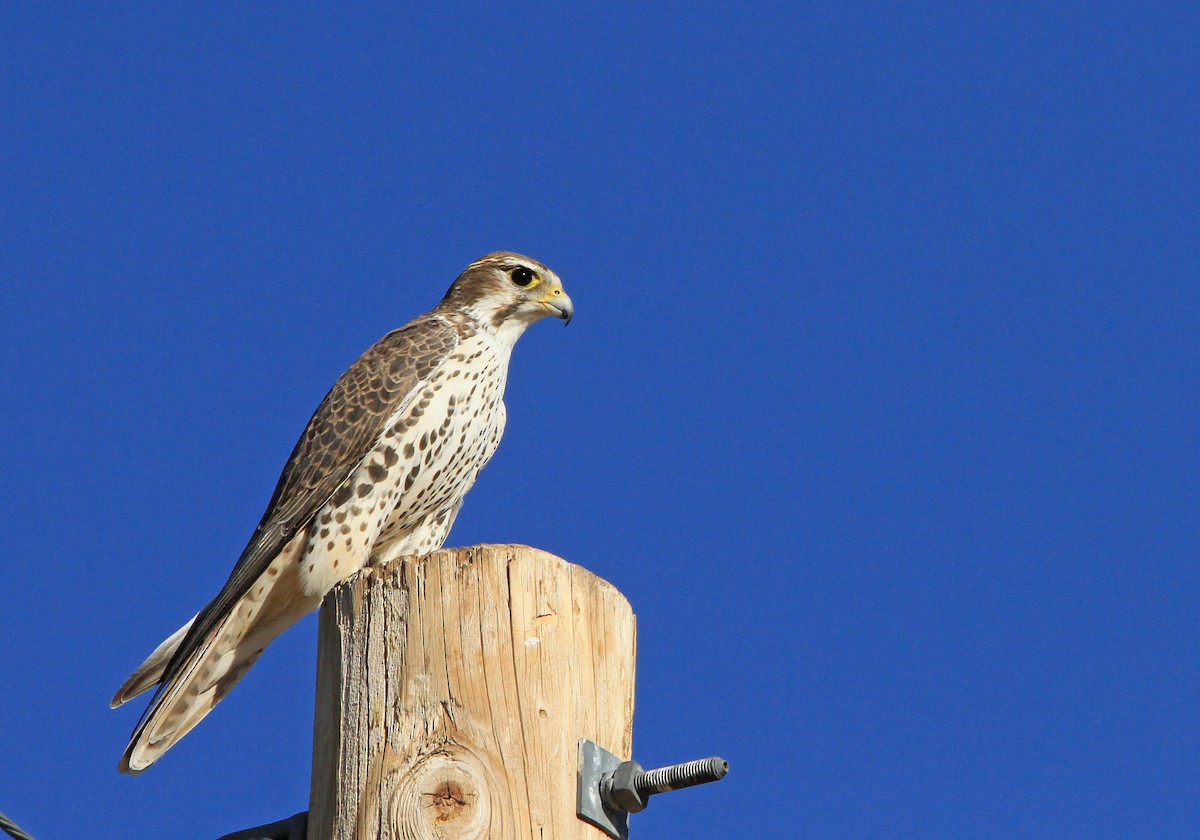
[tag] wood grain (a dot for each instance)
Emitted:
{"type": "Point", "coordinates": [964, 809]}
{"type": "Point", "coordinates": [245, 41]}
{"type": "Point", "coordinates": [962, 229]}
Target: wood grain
{"type": "Point", "coordinates": [451, 692]}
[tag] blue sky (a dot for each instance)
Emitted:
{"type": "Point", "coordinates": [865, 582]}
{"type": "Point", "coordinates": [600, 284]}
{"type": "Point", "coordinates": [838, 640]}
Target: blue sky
{"type": "Point", "coordinates": [880, 402]}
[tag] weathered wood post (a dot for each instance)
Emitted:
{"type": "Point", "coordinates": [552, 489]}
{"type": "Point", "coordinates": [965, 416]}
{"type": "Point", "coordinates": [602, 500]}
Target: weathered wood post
{"type": "Point", "coordinates": [452, 690]}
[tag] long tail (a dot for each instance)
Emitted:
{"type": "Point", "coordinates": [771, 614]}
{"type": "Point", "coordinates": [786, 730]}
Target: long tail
{"type": "Point", "coordinates": [150, 672]}
{"type": "Point", "coordinates": [273, 604]}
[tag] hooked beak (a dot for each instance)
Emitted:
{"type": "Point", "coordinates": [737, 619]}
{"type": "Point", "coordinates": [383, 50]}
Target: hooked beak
{"type": "Point", "coordinates": [559, 305]}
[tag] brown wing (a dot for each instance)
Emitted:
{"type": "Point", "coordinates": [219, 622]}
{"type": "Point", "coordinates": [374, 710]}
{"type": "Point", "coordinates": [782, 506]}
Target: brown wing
{"type": "Point", "coordinates": [340, 434]}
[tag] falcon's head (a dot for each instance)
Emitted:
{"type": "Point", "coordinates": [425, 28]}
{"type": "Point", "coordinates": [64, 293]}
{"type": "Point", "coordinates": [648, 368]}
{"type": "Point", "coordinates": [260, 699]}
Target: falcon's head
{"type": "Point", "coordinates": [507, 292]}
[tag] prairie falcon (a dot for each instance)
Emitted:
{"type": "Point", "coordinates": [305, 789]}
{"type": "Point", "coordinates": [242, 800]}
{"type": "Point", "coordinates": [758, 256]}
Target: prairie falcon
{"type": "Point", "coordinates": [379, 472]}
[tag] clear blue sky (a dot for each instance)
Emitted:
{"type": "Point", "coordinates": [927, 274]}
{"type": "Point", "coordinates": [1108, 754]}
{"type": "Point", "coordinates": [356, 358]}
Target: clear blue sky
{"type": "Point", "coordinates": [880, 403]}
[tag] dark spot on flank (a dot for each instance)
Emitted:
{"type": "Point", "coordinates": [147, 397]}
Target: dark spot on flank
{"type": "Point", "coordinates": [377, 472]}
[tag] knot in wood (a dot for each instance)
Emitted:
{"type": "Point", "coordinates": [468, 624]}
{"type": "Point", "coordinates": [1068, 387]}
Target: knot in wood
{"type": "Point", "coordinates": [444, 797]}
{"type": "Point", "coordinates": [448, 801]}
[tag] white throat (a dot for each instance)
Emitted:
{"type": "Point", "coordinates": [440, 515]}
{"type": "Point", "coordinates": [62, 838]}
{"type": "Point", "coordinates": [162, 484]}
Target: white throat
{"type": "Point", "coordinates": [484, 313]}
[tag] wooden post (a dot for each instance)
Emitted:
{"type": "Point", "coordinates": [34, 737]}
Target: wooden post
{"type": "Point", "coordinates": [451, 692]}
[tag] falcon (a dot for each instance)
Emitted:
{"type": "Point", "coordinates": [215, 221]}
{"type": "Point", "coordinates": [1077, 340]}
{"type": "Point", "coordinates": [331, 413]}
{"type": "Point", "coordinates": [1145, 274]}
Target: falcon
{"type": "Point", "coordinates": [379, 473]}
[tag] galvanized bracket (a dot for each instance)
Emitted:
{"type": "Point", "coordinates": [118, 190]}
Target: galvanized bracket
{"type": "Point", "coordinates": [608, 790]}
{"type": "Point", "coordinates": [595, 763]}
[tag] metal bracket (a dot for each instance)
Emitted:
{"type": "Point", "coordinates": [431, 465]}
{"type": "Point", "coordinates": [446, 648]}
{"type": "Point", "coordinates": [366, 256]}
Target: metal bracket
{"type": "Point", "coordinates": [608, 790]}
{"type": "Point", "coordinates": [595, 763]}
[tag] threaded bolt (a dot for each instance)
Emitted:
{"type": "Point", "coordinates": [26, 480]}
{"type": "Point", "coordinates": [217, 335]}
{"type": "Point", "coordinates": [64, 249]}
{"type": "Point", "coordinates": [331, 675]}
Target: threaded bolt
{"type": "Point", "coordinates": [629, 786]}
{"type": "Point", "coordinates": [678, 776]}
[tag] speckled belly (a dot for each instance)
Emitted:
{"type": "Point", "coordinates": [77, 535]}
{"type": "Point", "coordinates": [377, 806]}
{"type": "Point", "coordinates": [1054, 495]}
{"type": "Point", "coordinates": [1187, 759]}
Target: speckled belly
{"type": "Point", "coordinates": [404, 496]}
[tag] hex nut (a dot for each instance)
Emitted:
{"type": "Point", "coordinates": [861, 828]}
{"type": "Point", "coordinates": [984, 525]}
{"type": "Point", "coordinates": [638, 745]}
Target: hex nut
{"type": "Point", "coordinates": [618, 790]}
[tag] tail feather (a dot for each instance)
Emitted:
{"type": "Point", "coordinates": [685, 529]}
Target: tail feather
{"type": "Point", "coordinates": [273, 604]}
{"type": "Point", "coordinates": [184, 703]}
{"type": "Point", "coordinates": [150, 672]}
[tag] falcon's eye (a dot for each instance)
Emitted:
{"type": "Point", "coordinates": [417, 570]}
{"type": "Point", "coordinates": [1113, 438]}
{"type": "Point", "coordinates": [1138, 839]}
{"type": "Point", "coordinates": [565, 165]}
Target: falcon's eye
{"type": "Point", "coordinates": [522, 276]}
